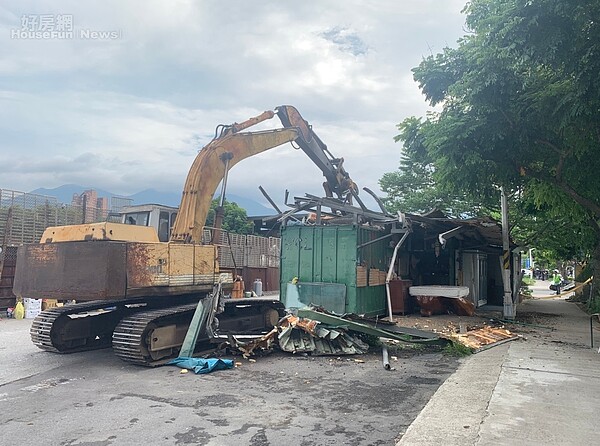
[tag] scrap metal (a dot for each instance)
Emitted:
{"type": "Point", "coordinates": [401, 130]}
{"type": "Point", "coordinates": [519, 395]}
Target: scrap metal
{"type": "Point", "coordinates": [399, 334]}
{"type": "Point", "coordinates": [301, 335]}
{"type": "Point", "coordinates": [262, 345]}
{"type": "Point", "coordinates": [386, 359]}
{"type": "Point", "coordinates": [384, 324]}
{"type": "Point", "coordinates": [201, 322]}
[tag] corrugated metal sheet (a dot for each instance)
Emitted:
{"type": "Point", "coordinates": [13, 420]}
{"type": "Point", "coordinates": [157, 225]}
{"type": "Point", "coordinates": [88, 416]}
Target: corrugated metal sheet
{"type": "Point", "coordinates": [300, 335]}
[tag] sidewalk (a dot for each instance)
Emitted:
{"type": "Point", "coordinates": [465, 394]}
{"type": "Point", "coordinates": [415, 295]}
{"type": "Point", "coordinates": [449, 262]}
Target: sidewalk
{"type": "Point", "coordinates": [542, 390]}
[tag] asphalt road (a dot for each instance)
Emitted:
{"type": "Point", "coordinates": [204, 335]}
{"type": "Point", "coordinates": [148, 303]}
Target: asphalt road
{"type": "Point", "coordinates": [93, 398]}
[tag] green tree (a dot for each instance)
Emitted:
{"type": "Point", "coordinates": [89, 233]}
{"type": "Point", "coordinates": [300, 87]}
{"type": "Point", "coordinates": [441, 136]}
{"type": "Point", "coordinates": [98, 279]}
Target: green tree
{"type": "Point", "coordinates": [414, 187]}
{"type": "Point", "coordinates": [520, 98]}
{"type": "Point", "coordinates": [235, 218]}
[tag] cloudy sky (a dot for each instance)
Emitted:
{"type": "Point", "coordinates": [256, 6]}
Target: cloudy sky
{"type": "Point", "coordinates": [126, 102]}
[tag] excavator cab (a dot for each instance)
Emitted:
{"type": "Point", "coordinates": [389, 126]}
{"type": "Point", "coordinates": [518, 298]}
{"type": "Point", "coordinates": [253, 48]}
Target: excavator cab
{"type": "Point", "coordinates": [161, 218]}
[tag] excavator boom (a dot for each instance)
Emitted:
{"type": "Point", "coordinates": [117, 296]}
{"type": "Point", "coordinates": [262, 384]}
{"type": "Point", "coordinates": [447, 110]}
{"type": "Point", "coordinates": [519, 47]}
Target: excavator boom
{"type": "Point", "coordinates": [231, 146]}
{"type": "Point", "coordinates": [209, 168]}
{"type": "Point", "coordinates": [338, 180]}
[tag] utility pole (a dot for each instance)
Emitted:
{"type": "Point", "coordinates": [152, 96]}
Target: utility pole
{"type": "Point", "coordinates": [509, 307]}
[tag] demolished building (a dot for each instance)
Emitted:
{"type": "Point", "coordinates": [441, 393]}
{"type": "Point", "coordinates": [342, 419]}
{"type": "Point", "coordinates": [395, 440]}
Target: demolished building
{"type": "Point", "coordinates": [349, 259]}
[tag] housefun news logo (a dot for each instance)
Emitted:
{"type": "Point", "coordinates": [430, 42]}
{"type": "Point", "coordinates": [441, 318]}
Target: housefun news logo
{"type": "Point", "coordinates": [57, 27]}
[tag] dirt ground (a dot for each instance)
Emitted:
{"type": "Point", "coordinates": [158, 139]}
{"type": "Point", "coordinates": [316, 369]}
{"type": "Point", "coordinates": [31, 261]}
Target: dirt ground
{"type": "Point", "coordinates": [446, 324]}
{"type": "Point", "coordinates": [525, 321]}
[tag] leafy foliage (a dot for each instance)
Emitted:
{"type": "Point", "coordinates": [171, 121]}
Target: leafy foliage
{"type": "Point", "coordinates": [520, 99]}
{"type": "Point", "coordinates": [457, 349]}
{"type": "Point", "coordinates": [235, 218]}
{"type": "Point", "coordinates": [415, 187]}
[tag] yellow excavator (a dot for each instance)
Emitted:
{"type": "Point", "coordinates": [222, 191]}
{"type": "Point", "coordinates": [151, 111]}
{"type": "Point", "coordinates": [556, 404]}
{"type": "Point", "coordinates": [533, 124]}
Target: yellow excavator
{"type": "Point", "coordinates": [139, 294]}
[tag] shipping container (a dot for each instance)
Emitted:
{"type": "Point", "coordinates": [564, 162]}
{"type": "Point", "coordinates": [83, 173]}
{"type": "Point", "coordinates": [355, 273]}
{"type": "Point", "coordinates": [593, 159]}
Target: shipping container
{"type": "Point", "coordinates": [319, 256]}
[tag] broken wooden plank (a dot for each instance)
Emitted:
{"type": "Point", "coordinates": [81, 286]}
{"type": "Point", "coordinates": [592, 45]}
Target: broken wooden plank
{"type": "Point", "coordinates": [484, 338]}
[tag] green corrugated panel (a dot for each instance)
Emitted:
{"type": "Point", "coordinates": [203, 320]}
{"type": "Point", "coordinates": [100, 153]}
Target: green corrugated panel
{"type": "Point", "coordinates": [330, 254]}
{"type": "Point", "coordinates": [328, 295]}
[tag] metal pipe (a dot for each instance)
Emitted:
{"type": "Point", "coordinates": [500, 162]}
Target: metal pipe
{"type": "Point", "coordinates": [386, 361]}
{"type": "Point", "coordinates": [444, 236]}
{"type": "Point", "coordinates": [377, 200]}
{"type": "Point", "coordinates": [389, 275]}
{"type": "Point", "coordinates": [252, 121]}
{"type": "Point", "coordinates": [592, 316]}
{"type": "Point", "coordinates": [266, 195]}
{"type": "Point", "coordinates": [225, 158]}
{"type": "Point", "coordinates": [370, 242]}
{"type": "Point", "coordinates": [220, 210]}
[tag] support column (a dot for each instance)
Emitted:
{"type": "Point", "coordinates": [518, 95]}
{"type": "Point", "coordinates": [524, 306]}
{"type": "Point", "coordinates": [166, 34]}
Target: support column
{"type": "Point", "coordinates": [509, 310]}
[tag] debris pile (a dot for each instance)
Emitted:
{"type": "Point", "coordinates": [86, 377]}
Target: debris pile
{"type": "Point", "coordinates": [300, 335]}
{"type": "Point", "coordinates": [294, 334]}
{"type": "Point", "coordinates": [317, 332]}
{"type": "Point", "coordinates": [477, 333]}
{"type": "Point", "coordinates": [484, 338]}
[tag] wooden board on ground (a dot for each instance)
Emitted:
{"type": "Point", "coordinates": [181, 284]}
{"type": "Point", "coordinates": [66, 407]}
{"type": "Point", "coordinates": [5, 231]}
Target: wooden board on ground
{"type": "Point", "coordinates": [484, 338]}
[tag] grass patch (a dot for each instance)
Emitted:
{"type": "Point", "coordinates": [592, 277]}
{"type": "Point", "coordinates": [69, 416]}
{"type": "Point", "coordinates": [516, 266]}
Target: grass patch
{"type": "Point", "coordinates": [528, 281]}
{"type": "Point", "coordinates": [457, 349]}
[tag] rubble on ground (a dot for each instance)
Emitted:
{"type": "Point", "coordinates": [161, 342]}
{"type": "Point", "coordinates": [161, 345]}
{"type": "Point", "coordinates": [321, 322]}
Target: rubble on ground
{"type": "Point", "coordinates": [317, 332]}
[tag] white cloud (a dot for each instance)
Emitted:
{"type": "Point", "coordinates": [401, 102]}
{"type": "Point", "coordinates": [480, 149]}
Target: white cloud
{"type": "Point", "coordinates": [130, 113]}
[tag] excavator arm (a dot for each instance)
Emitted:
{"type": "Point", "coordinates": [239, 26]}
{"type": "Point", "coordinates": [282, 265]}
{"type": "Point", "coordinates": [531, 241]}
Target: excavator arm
{"type": "Point", "coordinates": [209, 168]}
{"type": "Point", "coordinates": [231, 146]}
{"type": "Point", "coordinates": [338, 180]}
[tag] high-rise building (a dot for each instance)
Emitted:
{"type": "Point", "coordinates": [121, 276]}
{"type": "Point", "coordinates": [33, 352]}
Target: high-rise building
{"type": "Point", "coordinates": [94, 208]}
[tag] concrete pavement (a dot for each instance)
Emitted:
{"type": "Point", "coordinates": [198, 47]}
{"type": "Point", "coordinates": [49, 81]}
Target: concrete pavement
{"type": "Point", "coordinates": [542, 390]}
{"type": "Point", "coordinates": [95, 399]}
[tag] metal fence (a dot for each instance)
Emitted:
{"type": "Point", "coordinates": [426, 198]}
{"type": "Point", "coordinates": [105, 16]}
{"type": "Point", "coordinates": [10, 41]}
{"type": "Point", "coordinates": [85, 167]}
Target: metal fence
{"type": "Point", "coordinates": [239, 250]}
{"type": "Point", "coordinates": [25, 216]}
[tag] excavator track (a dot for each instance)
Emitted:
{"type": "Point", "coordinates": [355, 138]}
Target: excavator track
{"type": "Point", "coordinates": [134, 337]}
{"type": "Point", "coordinates": [144, 332]}
{"type": "Point", "coordinates": [131, 336]}
{"type": "Point", "coordinates": [47, 321]}
{"type": "Point", "coordinates": [85, 326]}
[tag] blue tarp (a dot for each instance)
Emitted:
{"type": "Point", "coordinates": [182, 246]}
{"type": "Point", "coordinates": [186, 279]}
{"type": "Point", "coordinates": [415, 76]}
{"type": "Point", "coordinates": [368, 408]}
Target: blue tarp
{"type": "Point", "coordinates": [200, 365]}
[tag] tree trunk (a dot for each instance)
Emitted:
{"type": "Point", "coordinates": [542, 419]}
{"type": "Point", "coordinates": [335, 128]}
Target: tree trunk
{"type": "Point", "coordinates": [595, 297]}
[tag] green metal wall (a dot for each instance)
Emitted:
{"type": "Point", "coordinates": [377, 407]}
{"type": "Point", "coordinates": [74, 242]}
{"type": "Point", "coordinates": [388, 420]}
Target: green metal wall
{"type": "Point", "coordinates": [331, 254]}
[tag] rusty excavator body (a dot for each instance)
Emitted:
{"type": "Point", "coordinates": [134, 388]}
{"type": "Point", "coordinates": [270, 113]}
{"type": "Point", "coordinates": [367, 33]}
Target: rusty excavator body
{"type": "Point", "coordinates": [139, 294]}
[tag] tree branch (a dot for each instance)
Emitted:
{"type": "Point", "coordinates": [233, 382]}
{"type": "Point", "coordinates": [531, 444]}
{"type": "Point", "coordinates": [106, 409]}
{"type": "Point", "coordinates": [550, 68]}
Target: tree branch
{"type": "Point", "coordinates": [595, 224]}
{"type": "Point", "coordinates": [549, 144]}
{"type": "Point", "coordinates": [563, 155]}
{"type": "Point", "coordinates": [586, 203]}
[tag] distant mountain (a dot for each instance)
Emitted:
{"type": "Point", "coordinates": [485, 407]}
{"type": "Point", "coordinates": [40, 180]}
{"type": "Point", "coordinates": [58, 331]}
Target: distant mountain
{"type": "Point", "coordinates": [172, 199]}
{"type": "Point", "coordinates": [253, 208]}
{"type": "Point", "coordinates": [64, 194]}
